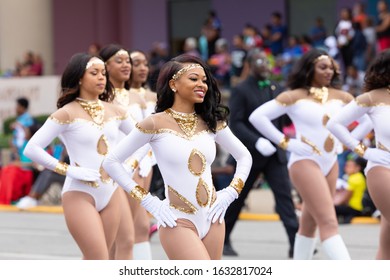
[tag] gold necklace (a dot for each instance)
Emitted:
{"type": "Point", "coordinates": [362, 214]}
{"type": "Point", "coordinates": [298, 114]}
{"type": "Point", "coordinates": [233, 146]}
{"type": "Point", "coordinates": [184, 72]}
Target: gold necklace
{"type": "Point", "coordinates": [122, 96]}
{"type": "Point", "coordinates": [186, 121]}
{"type": "Point", "coordinates": [140, 91]}
{"type": "Point", "coordinates": [319, 94]}
{"type": "Point", "coordinates": [95, 109]}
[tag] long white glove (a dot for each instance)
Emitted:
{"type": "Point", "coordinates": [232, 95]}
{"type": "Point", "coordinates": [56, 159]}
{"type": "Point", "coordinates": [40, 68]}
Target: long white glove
{"type": "Point", "coordinates": [377, 156]}
{"type": "Point", "coordinates": [145, 166]}
{"type": "Point", "coordinates": [224, 198]}
{"type": "Point", "coordinates": [160, 210]}
{"type": "Point", "coordinates": [265, 147]}
{"type": "Point", "coordinates": [82, 173]}
{"type": "Point", "coordinates": [297, 147]}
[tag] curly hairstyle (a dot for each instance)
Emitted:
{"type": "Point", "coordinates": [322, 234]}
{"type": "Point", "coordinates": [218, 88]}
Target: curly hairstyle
{"type": "Point", "coordinates": [74, 71]}
{"type": "Point", "coordinates": [377, 73]}
{"type": "Point", "coordinates": [303, 70]}
{"type": "Point", "coordinates": [108, 51]}
{"type": "Point", "coordinates": [211, 110]}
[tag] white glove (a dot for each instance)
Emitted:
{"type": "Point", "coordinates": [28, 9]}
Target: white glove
{"type": "Point", "coordinates": [224, 198]}
{"type": "Point", "coordinates": [265, 147]}
{"type": "Point", "coordinates": [145, 166]}
{"type": "Point", "coordinates": [82, 173]}
{"type": "Point", "coordinates": [297, 147]}
{"type": "Point", "coordinates": [377, 156]}
{"type": "Point", "coordinates": [160, 210]}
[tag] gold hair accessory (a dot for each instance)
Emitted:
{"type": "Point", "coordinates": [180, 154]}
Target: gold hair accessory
{"type": "Point", "coordinates": [319, 94]}
{"type": "Point", "coordinates": [187, 122]}
{"type": "Point", "coordinates": [93, 61]}
{"type": "Point", "coordinates": [185, 69]}
{"type": "Point", "coordinates": [360, 149]}
{"type": "Point", "coordinates": [94, 108]}
{"type": "Point", "coordinates": [321, 57]}
{"type": "Point", "coordinates": [122, 52]}
{"type": "Point", "coordinates": [237, 184]}
{"type": "Point", "coordinates": [284, 143]}
{"type": "Point", "coordinates": [138, 193]}
{"type": "Point", "coordinates": [61, 168]}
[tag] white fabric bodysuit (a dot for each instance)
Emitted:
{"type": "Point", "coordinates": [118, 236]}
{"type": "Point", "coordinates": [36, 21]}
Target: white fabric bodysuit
{"type": "Point", "coordinates": [86, 142]}
{"type": "Point", "coordinates": [309, 117]}
{"type": "Point", "coordinates": [184, 162]}
{"type": "Point", "coordinates": [375, 105]}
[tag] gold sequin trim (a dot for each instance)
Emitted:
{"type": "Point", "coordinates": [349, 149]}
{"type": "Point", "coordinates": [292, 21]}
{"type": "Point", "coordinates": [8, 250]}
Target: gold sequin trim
{"type": "Point", "coordinates": [186, 122]}
{"type": "Point", "coordinates": [383, 147]}
{"type": "Point", "coordinates": [132, 163]}
{"type": "Point", "coordinates": [319, 94]}
{"type": "Point", "coordinates": [138, 193]}
{"type": "Point", "coordinates": [122, 96]}
{"type": "Point", "coordinates": [185, 69]}
{"type": "Point", "coordinates": [104, 177]}
{"type": "Point", "coordinates": [237, 184]}
{"type": "Point", "coordinates": [284, 143]}
{"type": "Point", "coordinates": [202, 185]}
{"type": "Point", "coordinates": [171, 131]}
{"type": "Point", "coordinates": [192, 156]}
{"type": "Point", "coordinates": [311, 144]}
{"type": "Point", "coordinates": [94, 108]}
{"type": "Point", "coordinates": [61, 168]}
{"type": "Point", "coordinates": [192, 209]}
{"type": "Point", "coordinates": [360, 149]}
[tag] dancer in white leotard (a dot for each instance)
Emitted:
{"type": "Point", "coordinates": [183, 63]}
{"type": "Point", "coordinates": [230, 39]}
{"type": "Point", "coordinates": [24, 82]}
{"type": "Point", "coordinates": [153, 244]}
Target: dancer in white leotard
{"type": "Point", "coordinates": [313, 167]}
{"type": "Point", "coordinates": [88, 126]}
{"type": "Point", "coordinates": [375, 103]}
{"type": "Point", "coordinates": [183, 132]}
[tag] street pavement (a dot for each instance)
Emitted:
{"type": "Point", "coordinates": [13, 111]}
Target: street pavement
{"type": "Point", "coordinates": [29, 235]}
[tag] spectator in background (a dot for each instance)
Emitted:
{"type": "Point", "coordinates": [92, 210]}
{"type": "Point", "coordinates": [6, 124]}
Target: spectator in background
{"type": "Point", "coordinates": [344, 33]}
{"type": "Point", "coordinates": [220, 63]}
{"type": "Point", "coordinates": [354, 81]}
{"type": "Point", "coordinates": [190, 47]}
{"type": "Point", "coordinates": [278, 34]}
{"type": "Point", "coordinates": [251, 36]}
{"type": "Point", "coordinates": [94, 49]}
{"type": "Point", "coordinates": [158, 56]}
{"type": "Point", "coordinates": [23, 121]}
{"type": "Point", "coordinates": [318, 33]}
{"type": "Point", "coordinates": [348, 200]}
{"type": "Point", "coordinates": [359, 14]}
{"type": "Point", "coordinates": [358, 47]}
{"type": "Point", "coordinates": [370, 34]}
{"type": "Point", "coordinates": [238, 55]}
{"type": "Point", "coordinates": [383, 26]}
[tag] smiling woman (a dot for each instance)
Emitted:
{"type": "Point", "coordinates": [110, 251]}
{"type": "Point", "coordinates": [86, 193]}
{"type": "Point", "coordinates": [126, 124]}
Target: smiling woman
{"type": "Point", "coordinates": [189, 120]}
{"type": "Point", "coordinates": [311, 101]}
{"type": "Point", "coordinates": [88, 125]}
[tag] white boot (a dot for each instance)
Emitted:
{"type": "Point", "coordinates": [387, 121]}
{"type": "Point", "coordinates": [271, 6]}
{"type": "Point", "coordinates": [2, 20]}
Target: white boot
{"type": "Point", "coordinates": [142, 251]}
{"type": "Point", "coordinates": [335, 248]}
{"type": "Point", "coordinates": [304, 247]}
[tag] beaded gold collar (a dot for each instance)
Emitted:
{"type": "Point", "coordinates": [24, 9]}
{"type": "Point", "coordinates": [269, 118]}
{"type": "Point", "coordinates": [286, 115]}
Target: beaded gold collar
{"type": "Point", "coordinates": [319, 94]}
{"type": "Point", "coordinates": [122, 96]}
{"type": "Point", "coordinates": [94, 108]}
{"type": "Point", "coordinates": [186, 121]}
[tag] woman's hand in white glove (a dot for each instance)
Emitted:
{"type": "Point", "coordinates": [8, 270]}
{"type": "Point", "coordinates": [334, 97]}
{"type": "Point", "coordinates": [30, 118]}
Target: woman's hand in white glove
{"type": "Point", "coordinates": [377, 155]}
{"type": "Point", "coordinates": [297, 147]}
{"type": "Point", "coordinates": [82, 173]}
{"type": "Point", "coordinates": [160, 210]}
{"type": "Point", "coordinates": [224, 198]}
{"type": "Point", "coordinates": [265, 147]}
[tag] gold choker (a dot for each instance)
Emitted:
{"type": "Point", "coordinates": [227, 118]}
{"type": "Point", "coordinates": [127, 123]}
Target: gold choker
{"type": "Point", "coordinates": [95, 109]}
{"type": "Point", "coordinates": [319, 94]}
{"type": "Point", "coordinates": [186, 121]}
{"type": "Point", "coordinates": [122, 96]}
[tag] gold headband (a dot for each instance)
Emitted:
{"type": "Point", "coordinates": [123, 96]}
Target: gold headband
{"type": "Point", "coordinates": [122, 52]}
{"type": "Point", "coordinates": [185, 69]}
{"type": "Point", "coordinates": [93, 61]}
{"type": "Point", "coordinates": [321, 57]}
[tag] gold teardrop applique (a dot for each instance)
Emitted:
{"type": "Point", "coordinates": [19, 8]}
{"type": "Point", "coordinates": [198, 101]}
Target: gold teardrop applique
{"type": "Point", "coordinates": [179, 202]}
{"type": "Point", "coordinates": [196, 162]}
{"type": "Point", "coordinates": [202, 193]}
{"type": "Point", "coordinates": [383, 147]}
{"type": "Point", "coordinates": [329, 143]}
{"type": "Point", "coordinates": [104, 175]}
{"type": "Point", "coordinates": [102, 145]}
{"type": "Point", "coordinates": [325, 120]}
